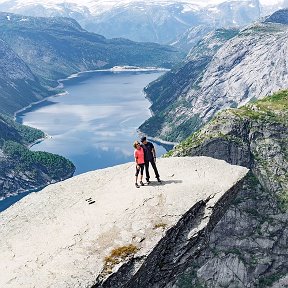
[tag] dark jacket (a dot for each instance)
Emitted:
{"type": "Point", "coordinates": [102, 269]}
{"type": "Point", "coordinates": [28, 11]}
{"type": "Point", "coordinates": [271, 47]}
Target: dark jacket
{"type": "Point", "coordinates": [148, 155]}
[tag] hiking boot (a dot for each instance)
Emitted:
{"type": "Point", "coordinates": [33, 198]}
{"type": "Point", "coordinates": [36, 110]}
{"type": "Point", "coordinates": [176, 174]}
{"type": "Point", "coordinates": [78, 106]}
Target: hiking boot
{"type": "Point", "coordinates": [141, 183]}
{"type": "Point", "coordinates": [137, 186]}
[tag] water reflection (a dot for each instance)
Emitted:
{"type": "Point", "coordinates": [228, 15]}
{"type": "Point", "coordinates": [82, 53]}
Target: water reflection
{"type": "Point", "coordinates": [95, 124]}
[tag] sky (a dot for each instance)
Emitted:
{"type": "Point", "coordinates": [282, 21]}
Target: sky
{"type": "Point", "coordinates": [99, 6]}
{"type": "Point", "coordinates": [101, 2]}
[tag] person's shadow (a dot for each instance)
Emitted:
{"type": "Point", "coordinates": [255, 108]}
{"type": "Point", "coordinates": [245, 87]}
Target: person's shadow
{"type": "Point", "coordinates": [164, 182]}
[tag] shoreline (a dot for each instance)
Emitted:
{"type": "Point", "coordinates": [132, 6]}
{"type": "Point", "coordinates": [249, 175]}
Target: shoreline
{"type": "Point", "coordinates": [117, 69]}
{"type": "Point", "coordinates": [155, 139]}
{"type": "Point", "coordinates": [35, 103]}
{"type": "Point", "coordinates": [75, 75]}
{"type": "Point", "coordinates": [46, 136]}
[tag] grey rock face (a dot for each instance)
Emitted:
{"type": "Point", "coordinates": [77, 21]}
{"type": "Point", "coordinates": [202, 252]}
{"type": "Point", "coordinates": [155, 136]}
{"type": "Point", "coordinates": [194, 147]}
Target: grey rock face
{"type": "Point", "coordinates": [180, 246]}
{"type": "Point", "coordinates": [258, 145]}
{"type": "Point", "coordinates": [19, 86]}
{"type": "Point", "coordinates": [15, 180]}
{"type": "Point", "coordinates": [247, 246]}
{"type": "Point", "coordinates": [248, 66]}
{"type": "Point", "coordinates": [278, 17]}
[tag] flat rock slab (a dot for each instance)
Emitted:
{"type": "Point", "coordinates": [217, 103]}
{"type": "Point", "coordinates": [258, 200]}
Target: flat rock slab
{"type": "Point", "coordinates": [60, 236]}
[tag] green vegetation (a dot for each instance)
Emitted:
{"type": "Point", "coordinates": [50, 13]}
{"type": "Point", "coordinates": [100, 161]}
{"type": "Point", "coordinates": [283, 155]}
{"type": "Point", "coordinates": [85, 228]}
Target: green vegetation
{"type": "Point", "coordinates": [189, 278]}
{"type": "Point", "coordinates": [261, 28]}
{"type": "Point", "coordinates": [269, 280]}
{"type": "Point", "coordinates": [268, 115]}
{"type": "Point", "coordinates": [226, 34]}
{"type": "Point", "coordinates": [283, 200]}
{"type": "Point", "coordinates": [30, 168]}
{"type": "Point", "coordinates": [11, 130]}
{"type": "Point", "coordinates": [272, 108]}
{"type": "Point", "coordinates": [55, 166]}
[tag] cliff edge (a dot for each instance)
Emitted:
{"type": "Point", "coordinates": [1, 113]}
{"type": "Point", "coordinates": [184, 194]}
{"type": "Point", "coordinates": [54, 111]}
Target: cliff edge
{"type": "Point", "coordinates": [248, 246]}
{"type": "Point", "coordinates": [97, 230]}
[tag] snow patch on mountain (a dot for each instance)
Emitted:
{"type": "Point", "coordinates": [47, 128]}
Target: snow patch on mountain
{"type": "Point", "coordinates": [100, 6]}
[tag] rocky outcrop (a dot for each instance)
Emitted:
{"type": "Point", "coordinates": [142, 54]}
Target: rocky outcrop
{"type": "Point", "coordinates": [254, 136]}
{"type": "Point", "coordinates": [98, 230]}
{"type": "Point", "coordinates": [17, 176]}
{"type": "Point", "coordinates": [248, 247]}
{"type": "Point", "coordinates": [249, 66]}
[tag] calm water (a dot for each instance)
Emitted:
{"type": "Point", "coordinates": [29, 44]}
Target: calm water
{"type": "Point", "coordinates": [94, 125]}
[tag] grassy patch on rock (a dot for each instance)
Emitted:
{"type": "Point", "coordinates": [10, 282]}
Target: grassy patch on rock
{"type": "Point", "coordinates": [118, 255]}
{"type": "Point", "coordinates": [257, 131]}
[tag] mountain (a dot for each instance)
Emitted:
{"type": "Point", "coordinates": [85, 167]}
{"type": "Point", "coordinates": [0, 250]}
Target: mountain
{"type": "Point", "coordinates": [153, 21]}
{"type": "Point", "coordinates": [250, 65]}
{"type": "Point", "coordinates": [19, 86]}
{"type": "Point", "coordinates": [278, 17]}
{"type": "Point", "coordinates": [248, 246]}
{"type": "Point", "coordinates": [43, 50]}
{"type": "Point", "coordinates": [22, 169]}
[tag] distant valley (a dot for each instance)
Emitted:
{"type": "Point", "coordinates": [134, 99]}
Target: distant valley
{"type": "Point", "coordinates": [49, 49]}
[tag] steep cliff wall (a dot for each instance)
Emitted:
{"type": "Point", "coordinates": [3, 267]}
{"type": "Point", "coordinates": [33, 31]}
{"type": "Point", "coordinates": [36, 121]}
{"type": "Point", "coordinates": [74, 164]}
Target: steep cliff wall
{"type": "Point", "coordinates": [19, 87]}
{"type": "Point", "coordinates": [249, 66]}
{"type": "Point", "coordinates": [248, 247]}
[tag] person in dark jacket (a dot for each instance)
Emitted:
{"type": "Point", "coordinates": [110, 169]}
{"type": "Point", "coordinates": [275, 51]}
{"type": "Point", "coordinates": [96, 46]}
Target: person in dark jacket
{"type": "Point", "coordinates": [150, 157]}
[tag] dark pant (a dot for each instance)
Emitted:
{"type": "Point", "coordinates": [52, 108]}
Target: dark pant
{"type": "Point", "coordinates": [141, 169]}
{"type": "Point", "coordinates": [154, 168]}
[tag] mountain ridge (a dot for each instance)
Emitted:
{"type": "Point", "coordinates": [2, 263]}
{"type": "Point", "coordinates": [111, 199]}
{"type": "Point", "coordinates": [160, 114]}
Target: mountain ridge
{"type": "Point", "coordinates": [246, 67]}
{"type": "Point", "coordinates": [66, 49]}
{"type": "Point", "coordinates": [125, 18]}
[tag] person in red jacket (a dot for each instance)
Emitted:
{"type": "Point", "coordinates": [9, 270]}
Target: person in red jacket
{"type": "Point", "coordinates": [140, 162]}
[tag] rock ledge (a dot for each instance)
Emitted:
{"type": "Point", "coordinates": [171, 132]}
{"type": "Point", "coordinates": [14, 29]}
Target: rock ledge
{"type": "Point", "coordinates": [60, 237]}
